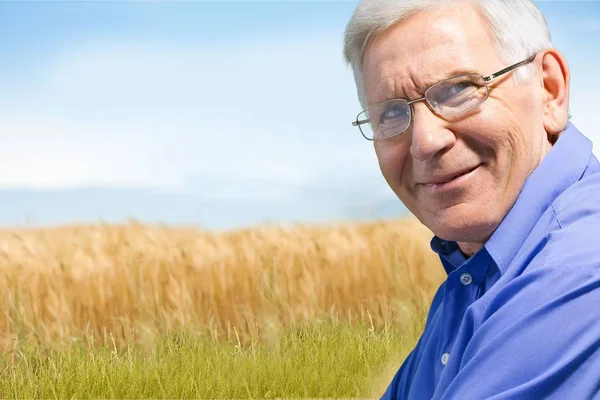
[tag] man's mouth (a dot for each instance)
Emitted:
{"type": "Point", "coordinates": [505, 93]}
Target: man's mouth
{"type": "Point", "coordinates": [450, 180]}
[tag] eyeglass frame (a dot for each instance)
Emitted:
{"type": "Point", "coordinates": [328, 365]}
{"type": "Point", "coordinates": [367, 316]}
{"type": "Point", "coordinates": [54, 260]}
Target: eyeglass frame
{"type": "Point", "coordinates": [486, 80]}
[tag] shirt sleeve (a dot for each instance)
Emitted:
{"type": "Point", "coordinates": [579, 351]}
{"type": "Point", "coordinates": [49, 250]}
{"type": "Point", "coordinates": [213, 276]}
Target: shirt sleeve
{"type": "Point", "coordinates": [539, 339]}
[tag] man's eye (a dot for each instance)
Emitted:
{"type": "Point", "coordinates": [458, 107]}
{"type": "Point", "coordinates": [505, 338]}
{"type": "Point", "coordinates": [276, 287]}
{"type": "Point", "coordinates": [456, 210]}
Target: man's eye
{"type": "Point", "coordinates": [454, 91]}
{"type": "Point", "coordinates": [394, 113]}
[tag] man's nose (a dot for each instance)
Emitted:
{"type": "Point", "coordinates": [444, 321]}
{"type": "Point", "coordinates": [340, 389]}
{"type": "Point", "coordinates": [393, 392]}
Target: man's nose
{"type": "Point", "coordinates": [429, 134]}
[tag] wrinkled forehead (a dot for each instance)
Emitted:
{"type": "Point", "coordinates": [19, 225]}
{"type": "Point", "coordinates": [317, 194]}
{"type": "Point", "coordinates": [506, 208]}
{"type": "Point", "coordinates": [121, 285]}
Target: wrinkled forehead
{"type": "Point", "coordinates": [425, 48]}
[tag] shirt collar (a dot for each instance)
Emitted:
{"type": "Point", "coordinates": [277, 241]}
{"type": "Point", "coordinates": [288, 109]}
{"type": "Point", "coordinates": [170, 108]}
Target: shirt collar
{"type": "Point", "coordinates": [453, 260]}
{"type": "Point", "coordinates": [562, 167]}
{"type": "Point", "coordinates": [449, 253]}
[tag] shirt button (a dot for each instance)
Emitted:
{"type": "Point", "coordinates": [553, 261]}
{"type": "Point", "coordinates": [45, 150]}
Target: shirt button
{"type": "Point", "coordinates": [466, 279]}
{"type": "Point", "coordinates": [445, 358]}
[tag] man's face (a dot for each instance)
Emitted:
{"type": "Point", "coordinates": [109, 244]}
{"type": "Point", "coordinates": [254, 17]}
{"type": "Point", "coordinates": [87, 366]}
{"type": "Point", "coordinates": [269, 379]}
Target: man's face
{"type": "Point", "coordinates": [492, 148]}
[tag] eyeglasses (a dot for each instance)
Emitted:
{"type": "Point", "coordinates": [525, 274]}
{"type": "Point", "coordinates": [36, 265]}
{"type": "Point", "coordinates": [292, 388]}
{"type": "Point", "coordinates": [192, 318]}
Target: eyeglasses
{"type": "Point", "coordinates": [447, 98]}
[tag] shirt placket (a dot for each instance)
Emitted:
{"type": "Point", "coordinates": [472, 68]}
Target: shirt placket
{"type": "Point", "coordinates": [461, 292]}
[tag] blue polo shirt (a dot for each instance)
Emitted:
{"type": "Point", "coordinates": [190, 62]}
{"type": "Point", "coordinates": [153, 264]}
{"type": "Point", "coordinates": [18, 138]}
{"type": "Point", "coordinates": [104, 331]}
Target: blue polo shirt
{"type": "Point", "coordinates": [520, 319]}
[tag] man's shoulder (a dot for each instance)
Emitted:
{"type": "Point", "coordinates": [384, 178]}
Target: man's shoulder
{"type": "Point", "coordinates": [581, 201]}
{"type": "Point", "coordinates": [576, 241]}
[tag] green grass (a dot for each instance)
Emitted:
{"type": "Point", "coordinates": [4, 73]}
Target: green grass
{"type": "Point", "coordinates": [323, 360]}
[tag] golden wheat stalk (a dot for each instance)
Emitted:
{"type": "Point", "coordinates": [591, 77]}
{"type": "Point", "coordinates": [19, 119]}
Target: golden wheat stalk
{"type": "Point", "coordinates": [135, 281]}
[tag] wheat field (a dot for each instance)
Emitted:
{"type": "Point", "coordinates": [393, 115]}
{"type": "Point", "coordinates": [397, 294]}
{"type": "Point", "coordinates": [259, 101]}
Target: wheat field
{"type": "Point", "coordinates": [136, 283]}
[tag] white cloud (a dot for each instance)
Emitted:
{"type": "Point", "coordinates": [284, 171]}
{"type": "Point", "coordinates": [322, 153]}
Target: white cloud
{"type": "Point", "coordinates": [47, 153]}
{"type": "Point", "coordinates": [148, 115]}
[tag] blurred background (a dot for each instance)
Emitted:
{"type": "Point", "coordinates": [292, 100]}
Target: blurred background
{"type": "Point", "coordinates": [217, 114]}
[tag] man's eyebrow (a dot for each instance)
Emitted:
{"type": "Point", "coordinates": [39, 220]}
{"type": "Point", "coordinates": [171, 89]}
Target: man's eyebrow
{"type": "Point", "coordinates": [389, 95]}
{"type": "Point", "coordinates": [458, 71]}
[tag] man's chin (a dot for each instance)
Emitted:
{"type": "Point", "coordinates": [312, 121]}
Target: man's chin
{"type": "Point", "coordinates": [458, 228]}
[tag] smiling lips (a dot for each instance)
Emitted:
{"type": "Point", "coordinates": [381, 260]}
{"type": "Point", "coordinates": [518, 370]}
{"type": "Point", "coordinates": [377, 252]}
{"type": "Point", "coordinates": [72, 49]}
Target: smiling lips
{"type": "Point", "coordinates": [445, 181]}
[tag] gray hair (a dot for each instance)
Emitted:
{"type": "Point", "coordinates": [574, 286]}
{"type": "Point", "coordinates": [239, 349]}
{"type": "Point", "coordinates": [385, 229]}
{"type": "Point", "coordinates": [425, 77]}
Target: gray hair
{"type": "Point", "coordinates": [518, 27]}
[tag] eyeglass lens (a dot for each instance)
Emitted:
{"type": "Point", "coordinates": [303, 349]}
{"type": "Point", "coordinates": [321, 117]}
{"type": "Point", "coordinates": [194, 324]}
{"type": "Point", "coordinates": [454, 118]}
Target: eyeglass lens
{"type": "Point", "coordinates": [446, 98]}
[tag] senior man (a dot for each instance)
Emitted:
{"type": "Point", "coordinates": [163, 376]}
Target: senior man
{"type": "Point", "coordinates": [466, 103]}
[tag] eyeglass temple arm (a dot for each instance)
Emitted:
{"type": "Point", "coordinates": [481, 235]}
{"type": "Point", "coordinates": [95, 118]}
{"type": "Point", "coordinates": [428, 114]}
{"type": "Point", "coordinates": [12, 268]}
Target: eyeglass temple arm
{"type": "Point", "coordinates": [508, 69]}
{"type": "Point", "coordinates": [357, 123]}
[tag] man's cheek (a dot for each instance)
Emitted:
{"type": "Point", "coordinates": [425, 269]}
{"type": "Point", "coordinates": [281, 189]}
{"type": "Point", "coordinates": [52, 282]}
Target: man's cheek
{"type": "Point", "coordinates": [391, 169]}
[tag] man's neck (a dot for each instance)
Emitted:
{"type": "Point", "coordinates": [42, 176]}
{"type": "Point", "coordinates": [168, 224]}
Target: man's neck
{"type": "Point", "coordinates": [468, 249]}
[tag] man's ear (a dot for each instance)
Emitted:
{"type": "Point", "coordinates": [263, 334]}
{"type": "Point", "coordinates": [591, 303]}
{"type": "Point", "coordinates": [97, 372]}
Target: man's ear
{"type": "Point", "coordinates": [555, 80]}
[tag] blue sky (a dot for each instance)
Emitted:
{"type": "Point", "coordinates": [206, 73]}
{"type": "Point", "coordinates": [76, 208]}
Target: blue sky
{"type": "Point", "coordinates": [219, 114]}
